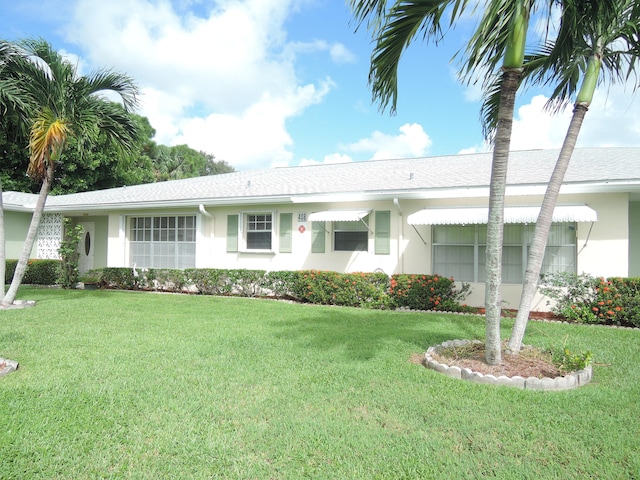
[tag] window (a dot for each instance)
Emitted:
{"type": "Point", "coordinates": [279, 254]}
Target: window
{"type": "Point", "coordinates": [459, 251]}
{"type": "Point", "coordinates": [259, 228]}
{"type": "Point", "coordinates": [163, 242]}
{"type": "Point", "coordinates": [253, 231]}
{"type": "Point", "coordinates": [350, 236]}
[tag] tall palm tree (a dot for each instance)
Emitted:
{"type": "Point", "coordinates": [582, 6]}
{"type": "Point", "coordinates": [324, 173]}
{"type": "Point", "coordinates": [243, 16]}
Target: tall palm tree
{"type": "Point", "coordinates": [63, 104]}
{"type": "Point", "coordinates": [498, 44]}
{"type": "Point", "coordinates": [594, 38]}
{"type": "Point", "coordinates": [12, 101]}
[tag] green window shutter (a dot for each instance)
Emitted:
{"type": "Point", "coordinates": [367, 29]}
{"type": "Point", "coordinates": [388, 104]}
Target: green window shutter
{"type": "Point", "coordinates": [232, 233]}
{"type": "Point", "coordinates": [383, 233]}
{"type": "Point", "coordinates": [286, 225]}
{"type": "Point", "coordinates": [317, 237]}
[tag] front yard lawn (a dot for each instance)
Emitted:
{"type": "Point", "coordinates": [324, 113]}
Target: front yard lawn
{"type": "Point", "coordinates": [140, 385]}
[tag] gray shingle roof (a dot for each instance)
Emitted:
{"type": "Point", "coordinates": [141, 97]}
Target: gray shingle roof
{"type": "Point", "coordinates": [375, 177]}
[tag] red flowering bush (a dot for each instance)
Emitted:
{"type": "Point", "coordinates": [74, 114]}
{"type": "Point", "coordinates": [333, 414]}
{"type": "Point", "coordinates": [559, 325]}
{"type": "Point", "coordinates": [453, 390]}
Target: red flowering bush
{"type": "Point", "coordinates": [427, 292]}
{"type": "Point", "coordinates": [587, 299]}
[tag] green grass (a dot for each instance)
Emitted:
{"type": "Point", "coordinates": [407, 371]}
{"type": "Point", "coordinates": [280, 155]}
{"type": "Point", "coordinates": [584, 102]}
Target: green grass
{"type": "Point", "coordinates": [140, 385]}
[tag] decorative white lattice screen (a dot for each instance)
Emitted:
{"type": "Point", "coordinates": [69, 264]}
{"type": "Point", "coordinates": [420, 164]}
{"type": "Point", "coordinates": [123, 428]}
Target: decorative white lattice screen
{"type": "Point", "coordinates": [49, 235]}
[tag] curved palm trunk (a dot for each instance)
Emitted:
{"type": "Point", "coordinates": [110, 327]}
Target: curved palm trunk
{"type": "Point", "coordinates": [31, 237]}
{"type": "Point", "coordinates": [495, 225]}
{"type": "Point", "coordinates": [3, 251]}
{"type": "Point", "coordinates": [543, 225]}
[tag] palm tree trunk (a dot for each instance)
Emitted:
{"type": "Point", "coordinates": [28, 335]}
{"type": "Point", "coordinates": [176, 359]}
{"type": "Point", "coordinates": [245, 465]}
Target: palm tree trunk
{"type": "Point", "coordinates": [495, 224]}
{"type": "Point", "coordinates": [3, 251]}
{"type": "Point", "coordinates": [31, 237]}
{"type": "Point", "coordinates": [543, 225]}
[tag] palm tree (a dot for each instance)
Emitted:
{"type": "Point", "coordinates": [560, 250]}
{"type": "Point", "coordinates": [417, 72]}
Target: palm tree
{"type": "Point", "coordinates": [500, 37]}
{"type": "Point", "coordinates": [62, 105]}
{"type": "Point", "coordinates": [593, 38]}
{"type": "Point", "coordinates": [11, 101]}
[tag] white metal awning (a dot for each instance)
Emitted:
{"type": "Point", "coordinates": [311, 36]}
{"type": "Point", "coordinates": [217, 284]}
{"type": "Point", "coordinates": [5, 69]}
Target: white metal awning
{"type": "Point", "coordinates": [480, 215]}
{"type": "Point", "coordinates": [339, 215]}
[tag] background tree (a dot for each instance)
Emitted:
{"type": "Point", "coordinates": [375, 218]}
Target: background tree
{"type": "Point", "coordinates": [63, 105]}
{"type": "Point", "coordinates": [12, 104]}
{"type": "Point", "coordinates": [102, 165]}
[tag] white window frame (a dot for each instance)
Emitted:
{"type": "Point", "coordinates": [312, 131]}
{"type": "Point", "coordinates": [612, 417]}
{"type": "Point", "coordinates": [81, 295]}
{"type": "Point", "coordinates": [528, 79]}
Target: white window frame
{"type": "Point", "coordinates": [243, 230]}
{"type": "Point", "coordinates": [156, 241]}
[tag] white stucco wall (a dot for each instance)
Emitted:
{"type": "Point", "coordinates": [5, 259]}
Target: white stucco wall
{"type": "Point", "coordinates": [602, 248]}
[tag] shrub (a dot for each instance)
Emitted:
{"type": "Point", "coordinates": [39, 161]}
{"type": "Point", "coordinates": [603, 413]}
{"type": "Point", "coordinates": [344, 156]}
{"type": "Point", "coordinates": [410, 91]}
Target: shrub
{"type": "Point", "coordinates": [369, 290]}
{"type": "Point", "coordinates": [618, 301]}
{"type": "Point", "coordinates": [245, 283]}
{"type": "Point", "coordinates": [345, 289]}
{"type": "Point", "coordinates": [38, 271]}
{"type": "Point", "coordinates": [586, 299]}
{"type": "Point", "coordinates": [68, 251]}
{"type": "Point", "coordinates": [119, 277]}
{"type": "Point", "coordinates": [573, 295]}
{"type": "Point", "coordinates": [208, 281]}
{"type": "Point", "coordinates": [283, 284]}
{"type": "Point", "coordinates": [427, 292]}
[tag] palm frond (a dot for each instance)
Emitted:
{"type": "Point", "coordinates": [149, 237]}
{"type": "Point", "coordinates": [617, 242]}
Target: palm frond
{"type": "Point", "coordinates": [48, 137]}
{"type": "Point", "coordinates": [406, 20]}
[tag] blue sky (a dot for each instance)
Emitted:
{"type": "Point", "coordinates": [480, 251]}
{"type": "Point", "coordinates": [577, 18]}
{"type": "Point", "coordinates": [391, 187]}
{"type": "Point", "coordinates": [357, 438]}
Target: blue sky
{"type": "Point", "coordinates": [263, 83]}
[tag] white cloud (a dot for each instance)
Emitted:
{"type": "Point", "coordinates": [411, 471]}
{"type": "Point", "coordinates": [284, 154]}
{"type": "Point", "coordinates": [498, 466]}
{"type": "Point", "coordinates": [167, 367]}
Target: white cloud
{"type": "Point", "coordinates": [412, 141]}
{"type": "Point", "coordinates": [341, 54]}
{"type": "Point", "coordinates": [328, 159]}
{"type": "Point", "coordinates": [475, 149]}
{"type": "Point", "coordinates": [611, 120]}
{"type": "Point", "coordinates": [223, 82]}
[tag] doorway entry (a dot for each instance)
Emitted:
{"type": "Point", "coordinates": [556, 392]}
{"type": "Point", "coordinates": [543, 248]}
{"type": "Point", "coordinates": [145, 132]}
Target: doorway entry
{"type": "Point", "coordinates": [86, 246]}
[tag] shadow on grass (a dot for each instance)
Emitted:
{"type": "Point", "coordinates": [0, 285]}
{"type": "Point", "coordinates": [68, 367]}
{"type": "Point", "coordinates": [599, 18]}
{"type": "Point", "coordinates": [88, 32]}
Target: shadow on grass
{"type": "Point", "coordinates": [361, 334]}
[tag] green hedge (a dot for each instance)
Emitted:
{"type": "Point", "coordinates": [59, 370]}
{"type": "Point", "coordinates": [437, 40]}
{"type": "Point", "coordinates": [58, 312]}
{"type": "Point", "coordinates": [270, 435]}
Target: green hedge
{"type": "Point", "coordinates": [369, 290]}
{"type": "Point", "coordinates": [38, 272]}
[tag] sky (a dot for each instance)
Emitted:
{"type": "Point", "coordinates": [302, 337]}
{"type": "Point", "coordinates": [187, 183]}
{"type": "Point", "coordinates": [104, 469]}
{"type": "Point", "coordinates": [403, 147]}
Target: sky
{"type": "Point", "coordinates": [271, 83]}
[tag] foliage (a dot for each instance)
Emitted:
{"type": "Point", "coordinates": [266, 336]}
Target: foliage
{"type": "Point", "coordinates": [119, 277]}
{"type": "Point", "coordinates": [101, 165]}
{"type": "Point", "coordinates": [209, 281]}
{"type": "Point", "coordinates": [180, 161]}
{"type": "Point", "coordinates": [38, 272]}
{"type": "Point", "coordinates": [68, 250]}
{"type": "Point", "coordinates": [572, 295]}
{"type": "Point", "coordinates": [368, 290]}
{"type": "Point", "coordinates": [345, 289]}
{"type": "Point", "coordinates": [586, 299]}
{"type": "Point", "coordinates": [568, 361]}
{"type": "Point", "coordinates": [427, 292]}
{"type": "Point", "coordinates": [93, 277]}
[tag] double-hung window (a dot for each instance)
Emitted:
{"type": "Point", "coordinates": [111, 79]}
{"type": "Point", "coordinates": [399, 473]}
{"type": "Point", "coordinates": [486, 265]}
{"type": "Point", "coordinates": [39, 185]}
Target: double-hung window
{"type": "Point", "coordinates": [259, 231]}
{"type": "Point", "coordinates": [459, 251]}
{"type": "Point", "coordinates": [163, 241]}
{"type": "Point", "coordinates": [254, 232]}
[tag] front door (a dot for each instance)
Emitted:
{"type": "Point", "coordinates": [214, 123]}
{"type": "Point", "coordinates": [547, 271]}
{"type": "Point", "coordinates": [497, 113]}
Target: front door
{"type": "Point", "coordinates": [85, 247]}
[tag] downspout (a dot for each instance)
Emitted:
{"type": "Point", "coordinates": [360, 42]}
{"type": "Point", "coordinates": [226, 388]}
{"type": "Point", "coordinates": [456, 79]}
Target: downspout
{"type": "Point", "coordinates": [202, 228]}
{"type": "Point", "coordinates": [203, 211]}
{"type": "Point", "coordinates": [399, 256]}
